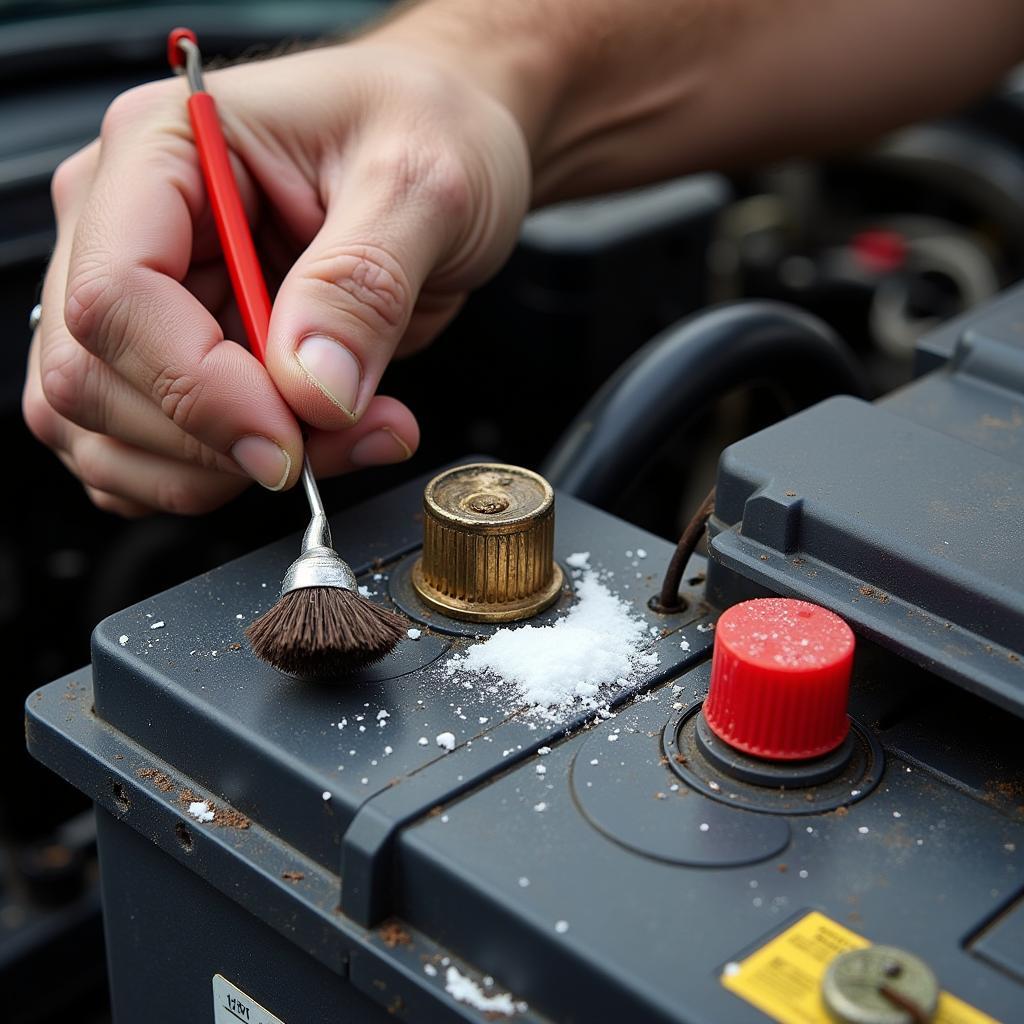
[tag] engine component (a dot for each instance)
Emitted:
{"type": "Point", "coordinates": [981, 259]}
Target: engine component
{"type": "Point", "coordinates": [679, 372]}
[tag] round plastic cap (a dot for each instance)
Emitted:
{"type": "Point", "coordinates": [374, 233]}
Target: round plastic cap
{"type": "Point", "coordinates": [780, 679]}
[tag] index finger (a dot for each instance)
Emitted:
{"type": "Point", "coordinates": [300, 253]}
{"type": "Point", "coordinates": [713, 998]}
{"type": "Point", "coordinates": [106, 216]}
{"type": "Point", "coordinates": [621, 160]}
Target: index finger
{"type": "Point", "coordinates": [125, 301]}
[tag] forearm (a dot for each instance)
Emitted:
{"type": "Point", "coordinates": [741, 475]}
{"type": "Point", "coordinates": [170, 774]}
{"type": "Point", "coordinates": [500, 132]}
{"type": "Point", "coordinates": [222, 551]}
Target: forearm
{"type": "Point", "coordinates": [612, 94]}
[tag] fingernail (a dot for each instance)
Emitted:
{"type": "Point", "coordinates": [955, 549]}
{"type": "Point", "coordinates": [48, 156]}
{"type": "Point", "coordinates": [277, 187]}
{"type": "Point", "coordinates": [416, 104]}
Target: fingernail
{"type": "Point", "coordinates": [266, 462]}
{"type": "Point", "coordinates": [333, 369]}
{"type": "Point", "coordinates": [381, 448]}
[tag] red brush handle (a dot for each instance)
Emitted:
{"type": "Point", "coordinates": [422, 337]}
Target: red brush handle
{"type": "Point", "coordinates": [175, 57]}
{"type": "Point", "coordinates": [232, 225]}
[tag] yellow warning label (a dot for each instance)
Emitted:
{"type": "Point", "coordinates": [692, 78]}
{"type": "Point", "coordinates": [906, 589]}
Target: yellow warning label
{"type": "Point", "coordinates": [783, 977]}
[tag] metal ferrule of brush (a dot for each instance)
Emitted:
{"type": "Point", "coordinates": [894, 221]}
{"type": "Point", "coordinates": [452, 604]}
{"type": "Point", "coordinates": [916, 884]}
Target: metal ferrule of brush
{"type": "Point", "coordinates": [319, 565]}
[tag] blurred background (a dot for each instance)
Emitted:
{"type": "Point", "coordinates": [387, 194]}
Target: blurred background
{"type": "Point", "coordinates": [883, 243]}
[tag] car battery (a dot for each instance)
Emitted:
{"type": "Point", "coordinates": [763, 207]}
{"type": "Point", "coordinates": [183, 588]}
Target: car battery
{"type": "Point", "coordinates": [410, 844]}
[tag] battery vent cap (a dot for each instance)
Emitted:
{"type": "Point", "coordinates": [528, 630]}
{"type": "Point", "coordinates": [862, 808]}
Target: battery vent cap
{"type": "Point", "coordinates": [780, 679]}
{"type": "Point", "coordinates": [488, 544]}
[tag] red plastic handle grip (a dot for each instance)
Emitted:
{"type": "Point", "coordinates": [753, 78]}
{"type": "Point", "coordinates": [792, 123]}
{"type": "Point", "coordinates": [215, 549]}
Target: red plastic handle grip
{"type": "Point", "coordinates": [232, 226]}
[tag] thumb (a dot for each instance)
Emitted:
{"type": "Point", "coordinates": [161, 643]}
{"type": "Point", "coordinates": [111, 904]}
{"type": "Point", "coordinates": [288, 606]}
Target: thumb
{"type": "Point", "coordinates": [347, 302]}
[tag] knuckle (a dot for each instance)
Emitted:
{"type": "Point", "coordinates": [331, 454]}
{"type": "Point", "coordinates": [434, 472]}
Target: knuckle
{"type": "Point", "coordinates": [178, 395]}
{"type": "Point", "coordinates": [394, 167]}
{"type": "Point", "coordinates": [448, 187]}
{"type": "Point", "coordinates": [364, 282]}
{"type": "Point", "coordinates": [93, 463]}
{"type": "Point", "coordinates": [91, 297]}
{"type": "Point", "coordinates": [422, 171]}
{"type": "Point", "coordinates": [67, 178]}
{"type": "Point", "coordinates": [131, 108]}
{"type": "Point", "coordinates": [64, 370]}
{"type": "Point", "coordinates": [40, 417]}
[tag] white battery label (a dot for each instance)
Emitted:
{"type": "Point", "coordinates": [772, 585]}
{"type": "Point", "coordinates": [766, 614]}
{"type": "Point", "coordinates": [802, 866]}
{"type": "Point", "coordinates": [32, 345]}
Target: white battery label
{"type": "Point", "coordinates": [231, 1005]}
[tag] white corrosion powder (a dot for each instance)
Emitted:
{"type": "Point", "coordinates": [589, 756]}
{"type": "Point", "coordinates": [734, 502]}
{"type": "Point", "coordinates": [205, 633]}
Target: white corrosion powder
{"type": "Point", "coordinates": [466, 990]}
{"type": "Point", "coordinates": [123, 639]}
{"type": "Point", "coordinates": [446, 740]}
{"type": "Point", "coordinates": [598, 642]}
{"type": "Point", "coordinates": [200, 810]}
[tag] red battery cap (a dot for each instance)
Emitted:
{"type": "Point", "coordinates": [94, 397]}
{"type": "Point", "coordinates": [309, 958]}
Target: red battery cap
{"type": "Point", "coordinates": [780, 679]}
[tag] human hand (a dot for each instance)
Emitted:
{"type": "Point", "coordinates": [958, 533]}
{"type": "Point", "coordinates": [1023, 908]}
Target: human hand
{"type": "Point", "coordinates": [381, 187]}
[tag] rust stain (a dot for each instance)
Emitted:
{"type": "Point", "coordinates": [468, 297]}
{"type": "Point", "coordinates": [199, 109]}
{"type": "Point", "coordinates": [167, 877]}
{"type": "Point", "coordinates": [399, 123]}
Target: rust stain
{"type": "Point", "coordinates": [394, 934]}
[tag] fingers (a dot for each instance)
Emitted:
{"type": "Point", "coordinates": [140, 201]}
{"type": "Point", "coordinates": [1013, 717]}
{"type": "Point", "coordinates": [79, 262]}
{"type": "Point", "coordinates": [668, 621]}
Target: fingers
{"type": "Point", "coordinates": [127, 306]}
{"type": "Point", "coordinates": [132, 359]}
{"type": "Point", "coordinates": [130, 481]}
{"type": "Point", "coordinates": [120, 477]}
{"type": "Point", "coordinates": [346, 304]}
{"type": "Point", "coordinates": [144, 480]}
{"type": "Point", "coordinates": [78, 385]}
{"type": "Point", "coordinates": [72, 399]}
{"type": "Point", "coordinates": [387, 433]}
{"type": "Point", "coordinates": [81, 388]}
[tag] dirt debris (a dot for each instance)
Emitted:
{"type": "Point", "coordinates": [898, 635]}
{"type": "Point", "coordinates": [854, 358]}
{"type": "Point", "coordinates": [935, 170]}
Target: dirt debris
{"type": "Point", "coordinates": [160, 779]}
{"type": "Point", "coordinates": [227, 817]}
{"type": "Point", "coordinates": [394, 934]}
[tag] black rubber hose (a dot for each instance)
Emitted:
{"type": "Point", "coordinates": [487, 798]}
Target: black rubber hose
{"type": "Point", "coordinates": [679, 372]}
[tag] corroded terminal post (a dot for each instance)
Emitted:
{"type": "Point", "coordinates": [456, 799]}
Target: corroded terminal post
{"type": "Point", "coordinates": [488, 544]}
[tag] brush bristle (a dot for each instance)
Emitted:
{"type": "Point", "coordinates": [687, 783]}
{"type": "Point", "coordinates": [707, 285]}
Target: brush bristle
{"type": "Point", "coordinates": [320, 632]}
